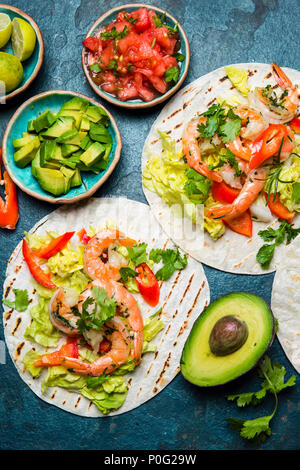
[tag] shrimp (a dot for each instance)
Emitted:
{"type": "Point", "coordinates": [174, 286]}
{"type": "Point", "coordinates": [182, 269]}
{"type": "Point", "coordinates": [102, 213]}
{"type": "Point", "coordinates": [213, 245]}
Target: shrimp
{"type": "Point", "coordinates": [61, 310]}
{"type": "Point", "coordinates": [124, 330]}
{"type": "Point", "coordinates": [253, 186]}
{"type": "Point", "coordinates": [192, 150]}
{"type": "Point", "coordinates": [252, 124]}
{"type": "Point", "coordinates": [274, 108]}
{"type": "Point", "coordinates": [100, 258]}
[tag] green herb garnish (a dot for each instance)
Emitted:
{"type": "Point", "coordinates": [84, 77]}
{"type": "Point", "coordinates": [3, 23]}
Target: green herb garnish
{"type": "Point", "coordinates": [172, 261]}
{"type": "Point", "coordinates": [258, 429]}
{"type": "Point", "coordinates": [21, 301]}
{"type": "Point", "coordinates": [171, 74]}
{"type": "Point", "coordinates": [96, 310]}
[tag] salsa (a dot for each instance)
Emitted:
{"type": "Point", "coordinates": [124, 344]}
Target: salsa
{"type": "Point", "coordinates": [136, 56]}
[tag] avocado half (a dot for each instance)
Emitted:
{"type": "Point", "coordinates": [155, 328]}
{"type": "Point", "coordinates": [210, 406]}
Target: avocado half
{"type": "Point", "coordinates": [246, 338]}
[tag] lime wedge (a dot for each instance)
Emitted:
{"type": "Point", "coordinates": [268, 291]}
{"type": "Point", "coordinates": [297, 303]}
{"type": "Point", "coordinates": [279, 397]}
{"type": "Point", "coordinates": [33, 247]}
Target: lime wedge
{"type": "Point", "coordinates": [23, 39]}
{"type": "Point", "coordinates": [5, 29]}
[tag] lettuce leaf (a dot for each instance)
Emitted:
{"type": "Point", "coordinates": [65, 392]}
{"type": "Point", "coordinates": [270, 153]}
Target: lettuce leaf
{"type": "Point", "coordinates": [41, 330]}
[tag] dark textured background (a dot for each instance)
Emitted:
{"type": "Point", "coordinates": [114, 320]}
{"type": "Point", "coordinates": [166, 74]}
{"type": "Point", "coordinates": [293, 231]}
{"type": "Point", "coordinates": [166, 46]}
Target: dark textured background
{"type": "Point", "coordinates": [182, 416]}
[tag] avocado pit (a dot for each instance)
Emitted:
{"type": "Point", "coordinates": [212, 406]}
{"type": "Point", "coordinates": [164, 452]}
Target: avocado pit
{"type": "Point", "coordinates": [228, 335]}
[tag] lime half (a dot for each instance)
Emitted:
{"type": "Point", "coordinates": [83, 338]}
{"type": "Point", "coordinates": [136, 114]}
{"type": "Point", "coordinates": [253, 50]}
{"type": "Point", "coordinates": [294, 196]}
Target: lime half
{"type": "Point", "coordinates": [5, 29]}
{"type": "Point", "coordinates": [23, 39]}
{"type": "Point", "coordinates": [11, 72]}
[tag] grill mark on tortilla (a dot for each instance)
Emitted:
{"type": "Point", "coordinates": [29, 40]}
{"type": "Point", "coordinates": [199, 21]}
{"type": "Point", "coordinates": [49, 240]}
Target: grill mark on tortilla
{"type": "Point", "coordinates": [184, 326]}
{"type": "Point", "coordinates": [195, 300]}
{"type": "Point", "coordinates": [211, 102]}
{"type": "Point", "coordinates": [8, 314]}
{"type": "Point", "coordinates": [275, 86]}
{"type": "Point", "coordinates": [129, 383]}
{"type": "Point", "coordinates": [223, 78]}
{"type": "Point", "coordinates": [17, 268]}
{"type": "Point", "coordinates": [187, 103]}
{"type": "Point", "coordinates": [171, 290]}
{"type": "Point", "coordinates": [19, 349]}
{"type": "Point", "coordinates": [19, 319]}
{"type": "Point", "coordinates": [9, 287]}
{"type": "Point", "coordinates": [187, 288]}
{"type": "Point", "coordinates": [174, 113]}
{"type": "Point", "coordinates": [178, 125]}
{"type": "Point", "coordinates": [208, 90]}
{"type": "Point", "coordinates": [154, 142]}
{"type": "Point", "coordinates": [269, 75]}
{"type": "Point", "coordinates": [53, 394]}
{"type": "Point", "coordinates": [90, 404]}
{"type": "Point", "coordinates": [174, 314]}
{"type": "Point", "coordinates": [166, 365]}
{"type": "Point", "coordinates": [150, 367]}
{"type": "Point", "coordinates": [77, 403]}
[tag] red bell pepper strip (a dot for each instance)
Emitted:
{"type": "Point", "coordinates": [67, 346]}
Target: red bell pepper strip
{"type": "Point", "coordinates": [222, 192]}
{"type": "Point", "coordinates": [295, 125]}
{"type": "Point", "coordinates": [147, 284]}
{"type": "Point", "coordinates": [9, 211]}
{"type": "Point", "coordinates": [279, 209]}
{"type": "Point", "coordinates": [91, 43]}
{"type": "Point", "coordinates": [36, 271]}
{"type": "Point", "coordinates": [83, 236]}
{"type": "Point", "coordinates": [55, 358]}
{"type": "Point", "coordinates": [268, 143]}
{"type": "Point", "coordinates": [242, 224]}
{"type": "Point", "coordinates": [54, 247]}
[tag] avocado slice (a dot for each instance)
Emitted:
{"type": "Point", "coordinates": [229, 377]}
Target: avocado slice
{"type": "Point", "coordinates": [26, 154]}
{"type": "Point", "coordinates": [253, 320]}
{"type": "Point", "coordinates": [45, 120]}
{"type": "Point", "coordinates": [26, 139]}
{"type": "Point", "coordinates": [52, 181]}
{"type": "Point", "coordinates": [75, 104]}
{"type": "Point", "coordinates": [76, 179]}
{"type": "Point", "coordinates": [47, 151]}
{"type": "Point", "coordinates": [62, 125]}
{"type": "Point", "coordinates": [76, 115]}
{"type": "Point", "coordinates": [93, 154]}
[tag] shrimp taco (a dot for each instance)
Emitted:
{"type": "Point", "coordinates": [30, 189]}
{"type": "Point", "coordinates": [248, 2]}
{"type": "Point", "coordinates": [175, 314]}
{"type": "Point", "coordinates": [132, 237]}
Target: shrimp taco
{"type": "Point", "coordinates": [285, 303]}
{"type": "Point", "coordinates": [98, 303]}
{"type": "Point", "coordinates": [224, 152]}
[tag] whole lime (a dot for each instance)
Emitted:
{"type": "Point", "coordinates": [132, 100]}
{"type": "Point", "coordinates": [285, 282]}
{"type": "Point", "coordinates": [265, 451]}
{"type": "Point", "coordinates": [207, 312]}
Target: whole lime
{"type": "Point", "coordinates": [11, 72]}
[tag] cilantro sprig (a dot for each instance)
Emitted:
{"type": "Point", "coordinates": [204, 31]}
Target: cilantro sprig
{"type": "Point", "coordinates": [285, 232]}
{"type": "Point", "coordinates": [96, 310]}
{"type": "Point", "coordinates": [226, 124]}
{"type": "Point", "coordinates": [273, 375]}
{"type": "Point", "coordinates": [172, 261]}
{"type": "Point", "coordinates": [21, 301]}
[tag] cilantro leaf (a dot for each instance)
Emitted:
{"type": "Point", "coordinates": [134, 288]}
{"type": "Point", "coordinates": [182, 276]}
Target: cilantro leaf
{"type": "Point", "coordinates": [172, 261]}
{"type": "Point", "coordinates": [127, 272]}
{"type": "Point", "coordinates": [172, 74]}
{"type": "Point", "coordinates": [114, 33]}
{"type": "Point", "coordinates": [137, 253]}
{"type": "Point", "coordinates": [230, 129]}
{"type": "Point", "coordinates": [265, 255]}
{"type": "Point", "coordinates": [96, 310]}
{"type": "Point", "coordinates": [226, 124]}
{"type": "Point", "coordinates": [255, 429]}
{"type": "Point", "coordinates": [21, 301]}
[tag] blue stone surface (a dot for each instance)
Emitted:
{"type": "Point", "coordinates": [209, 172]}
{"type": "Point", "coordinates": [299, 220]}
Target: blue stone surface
{"type": "Point", "coordinates": [181, 416]}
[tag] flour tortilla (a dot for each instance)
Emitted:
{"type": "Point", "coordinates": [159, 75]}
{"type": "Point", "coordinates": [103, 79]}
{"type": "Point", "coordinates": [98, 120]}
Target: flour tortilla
{"type": "Point", "coordinates": [232, 253]}
{"type": "Point", "coordinates": [183, 297]}
{"type": "Point", "coordinates": [285, 302]}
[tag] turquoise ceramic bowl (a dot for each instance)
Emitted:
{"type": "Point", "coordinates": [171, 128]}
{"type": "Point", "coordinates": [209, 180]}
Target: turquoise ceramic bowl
{"type": "Point", "coordinates": [138, 103]}
{"type": "Point", "coordinates": [23, 177]}
{"type": "Point", "coordinates": [32, 65]}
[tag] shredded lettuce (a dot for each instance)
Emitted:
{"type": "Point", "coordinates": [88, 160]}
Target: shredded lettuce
{"type": "Point", "coordinates": [41, 330]}
{"type": "Point", "coordinates": [215, 227]}
{"type": "Point", "coordinates": [290, 172]}
{"type": "Point", "coordinates": [165, 174]}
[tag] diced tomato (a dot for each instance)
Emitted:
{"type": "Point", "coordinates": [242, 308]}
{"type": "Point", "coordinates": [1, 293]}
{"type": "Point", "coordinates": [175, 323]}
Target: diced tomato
{"type": "Point", "coordinates": [83, 236]}
{"type": "Point", "coordinates": [147, 284]}
{"type": "Point", "coordinates": [279, 209]}
{"type": "Point", "coordinates": [143, 21]}
{"type": "Point", "coordinates": [222, 192]}
{"type": "Point", "coordinates": [242, 224]}
{"type": "Point", "coordinates": [133, 66]}
{"type": "Point", "coordinates": [91, 43]}
{"type": "Point", "coordinates": [295, 125]}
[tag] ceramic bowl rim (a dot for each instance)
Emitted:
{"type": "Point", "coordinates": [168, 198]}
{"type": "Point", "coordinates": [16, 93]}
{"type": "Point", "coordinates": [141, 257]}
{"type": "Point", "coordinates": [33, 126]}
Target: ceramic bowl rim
{"type": "Point", "coordinates": [97, 185]}
{"type": "Point", "coordinates": [138, 105]}
{"type": "Point", "coordinates": [37, 68]}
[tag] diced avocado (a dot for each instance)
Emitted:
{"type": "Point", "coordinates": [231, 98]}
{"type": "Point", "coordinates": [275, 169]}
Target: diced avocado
{"type": "Point", "coordinates": [92, 154]}
{"type": "Point", "coordinates": [52, 181]}
{"type": "Point", "coordinates": [76, 104]}
{"type": "Point", "coordinates": [44, 121]}
{"type": "Point", "coordinates": [84, 125]}
{"type": "Point", "coordinates": [26, 139]}
{"type": "Point", "coordinates": [228, 339]}
{"type": "Point", "coordinates": [76, 115]}
{"type": "Point", "coordinates": [100, 133]}
{"type": "Point", "coordinates": [68, 174]}
{"type": "Point", "coordinates": [25, 154]}
{"type": "Point", "coordinates": [76, 179]}
{"type": "Point", "coordinates": [30, 126]}
{"type": "Point", "coordinates": [96, 114]}
{"type": "Point", "coordinates": [35, 163]}
{"type": "Point", "coordinates": [85, 143]}
{"type": "Point", "coordinates": [72, 137]}
{"type": "Point", "coordinates": [47, 151]}
{"type": "Point", "coordinates": [62, 125]}
{"type": "Point", "coordinates": [68, 149]}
